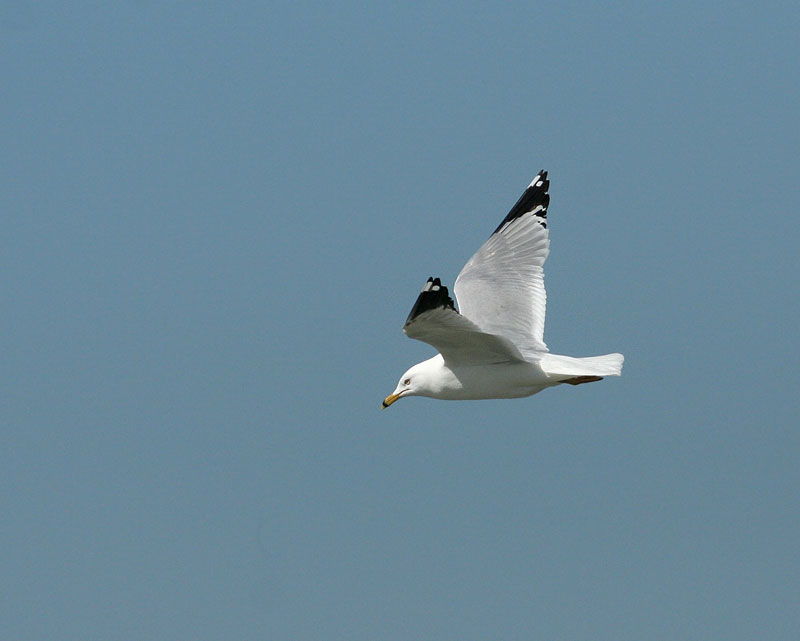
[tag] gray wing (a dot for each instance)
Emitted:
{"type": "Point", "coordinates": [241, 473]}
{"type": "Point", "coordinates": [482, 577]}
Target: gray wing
{"type": "Point", "coordinates": [434, 320]}
{"type": "Point", "coordinates": [501, 288]}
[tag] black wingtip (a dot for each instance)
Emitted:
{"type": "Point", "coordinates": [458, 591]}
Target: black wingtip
{"type": "Point", "coordinates": [434, 295]}
{"type": "Point", "coordinates": [535, 195]}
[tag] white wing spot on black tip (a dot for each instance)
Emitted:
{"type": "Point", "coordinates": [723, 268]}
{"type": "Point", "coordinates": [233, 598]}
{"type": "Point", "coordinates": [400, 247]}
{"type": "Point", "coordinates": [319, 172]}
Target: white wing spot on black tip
{"type": "Point", "coordinates": [533, 198]}
{"type": "Point", "coordinates": [434, 295]}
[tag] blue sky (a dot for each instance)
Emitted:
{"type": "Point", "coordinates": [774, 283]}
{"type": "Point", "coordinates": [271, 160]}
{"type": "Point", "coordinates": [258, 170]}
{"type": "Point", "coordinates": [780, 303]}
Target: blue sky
{"type": "Point", "coordinates": [216, 218]}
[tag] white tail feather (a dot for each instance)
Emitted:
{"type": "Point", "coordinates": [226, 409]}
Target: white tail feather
{"type": "Point", "coordinates": [606, 365]}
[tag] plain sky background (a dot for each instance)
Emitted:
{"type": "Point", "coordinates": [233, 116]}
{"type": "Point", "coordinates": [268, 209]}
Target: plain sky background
{"type": "Point", "coordinates": [215, 219]}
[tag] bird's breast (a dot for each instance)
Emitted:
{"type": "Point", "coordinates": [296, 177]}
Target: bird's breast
{"type": "Point", "coordinates": [498, 380]}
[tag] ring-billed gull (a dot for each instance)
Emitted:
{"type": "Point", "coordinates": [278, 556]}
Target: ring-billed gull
{"type": "Point", "coordinates": [494, 348]}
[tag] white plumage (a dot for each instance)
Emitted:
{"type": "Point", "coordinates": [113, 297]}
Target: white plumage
{"type": "Point", "coordinates": [494, 348]}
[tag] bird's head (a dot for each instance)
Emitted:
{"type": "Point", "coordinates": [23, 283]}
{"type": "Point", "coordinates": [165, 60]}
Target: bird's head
{"type": "Point", "coordinates": [415, 382]}
{"type": "Point", "coordinates": [407, 386]}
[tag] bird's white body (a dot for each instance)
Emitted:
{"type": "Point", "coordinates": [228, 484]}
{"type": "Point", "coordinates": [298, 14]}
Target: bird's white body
{"type": "Point", "coordinates": [465, 382]}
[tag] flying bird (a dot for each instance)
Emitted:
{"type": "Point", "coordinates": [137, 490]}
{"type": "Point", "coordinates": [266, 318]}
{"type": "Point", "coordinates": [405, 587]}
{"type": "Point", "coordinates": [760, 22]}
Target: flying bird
{"type": "Point", "coordinates": [493, 345]}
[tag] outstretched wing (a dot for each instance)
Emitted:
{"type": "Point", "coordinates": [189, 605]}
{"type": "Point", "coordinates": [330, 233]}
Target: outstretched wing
{"type": "Point", "coordinates": [434, 320]}
{"type": "Point", "coordinates": [501, 288]}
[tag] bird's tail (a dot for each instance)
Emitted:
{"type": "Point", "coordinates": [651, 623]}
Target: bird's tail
{"type": "Point", "coordinates": [557, 366]}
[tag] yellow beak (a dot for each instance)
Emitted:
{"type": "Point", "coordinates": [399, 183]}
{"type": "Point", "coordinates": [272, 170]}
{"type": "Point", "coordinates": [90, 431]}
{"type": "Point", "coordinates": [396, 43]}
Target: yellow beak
{"type": "Point", "coordinates": [389, 400]}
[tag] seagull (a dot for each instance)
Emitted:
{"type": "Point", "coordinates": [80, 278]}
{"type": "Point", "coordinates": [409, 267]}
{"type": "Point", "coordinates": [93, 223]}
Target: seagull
{"type": "Point", "coordinates": [493, 345]}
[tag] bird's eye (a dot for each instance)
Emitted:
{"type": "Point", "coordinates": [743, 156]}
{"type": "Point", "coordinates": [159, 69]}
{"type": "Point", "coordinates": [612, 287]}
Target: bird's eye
{"type": "Point", "coordinates": [407, 381]}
